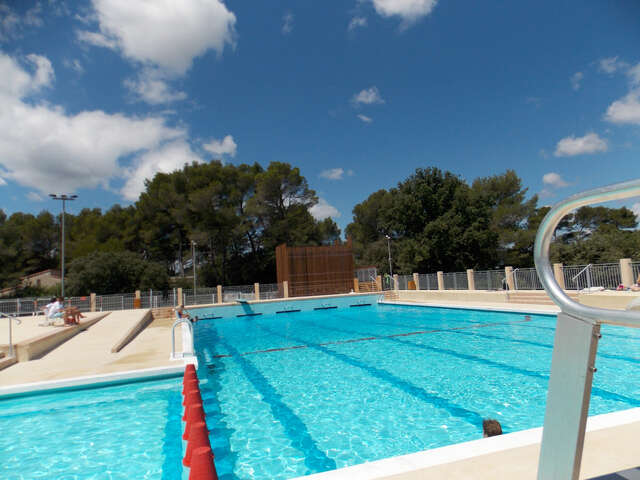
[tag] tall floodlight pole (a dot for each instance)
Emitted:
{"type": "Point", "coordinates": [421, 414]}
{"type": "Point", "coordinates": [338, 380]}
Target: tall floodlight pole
{"type": "Point", "coordinates": [389, 250]}
{"type": "Point", "coordinates": [64, 199]}
{"type": "Point", "coordinates": [193, 260]}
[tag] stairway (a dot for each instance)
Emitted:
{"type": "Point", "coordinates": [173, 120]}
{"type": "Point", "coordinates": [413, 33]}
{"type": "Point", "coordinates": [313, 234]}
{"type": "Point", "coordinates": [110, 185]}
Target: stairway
{"type": "Point", "coordinates": [366, 287]}
{"type": "Point", "coordinates": [536, 297]}
{"type": "Point", "coordinates": [163, 313]}
{"type": "Point", "coordinates": [390, 295]}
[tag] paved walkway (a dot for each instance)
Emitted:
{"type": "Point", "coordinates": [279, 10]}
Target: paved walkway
{"type": "Point", "coordinates": [89, 352]}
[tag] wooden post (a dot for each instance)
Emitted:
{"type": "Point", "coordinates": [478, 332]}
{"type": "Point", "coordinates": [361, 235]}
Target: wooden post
{"type": "Point", "coordinates": [557, 272]}
{"type": "Point", "coordinates": [440, 281]}
{"type": "Point", "coordinates": [256, 289]}
{"type": "Point", "coordinates": [356, 285]}
{"type": "Point", "coordinates": [285, 289]}
{"type": "Point", "coordinates": [379, 283]}
{"type": "Point", "coordinates": [626, 272]}
{"type": "Point", "coordinates": [219, 293]}
{"type": "Point", "coordinates": [396, 283]}
{"type": "Point", "coordinates": [508, 274]}
{"type": "Point", "coordinates": [416, 280]}
{"type": "Point", "coordinates": [471, 280]}
{"type": "Point", "coordinates": [180, 297]}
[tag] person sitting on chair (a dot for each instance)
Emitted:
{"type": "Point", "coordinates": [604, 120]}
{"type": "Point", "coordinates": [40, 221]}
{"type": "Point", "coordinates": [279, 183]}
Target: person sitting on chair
{"type": "Point", "coordinates": [181, 313]}
{"type": "Point", "coordinates": [636, 286]}
{"type": "Point", "coordinates": [72, 316]}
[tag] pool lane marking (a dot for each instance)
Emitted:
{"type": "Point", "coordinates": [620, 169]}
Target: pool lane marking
{"type": "Point", "coordinates": [380, 337]}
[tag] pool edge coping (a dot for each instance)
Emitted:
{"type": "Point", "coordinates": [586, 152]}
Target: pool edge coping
{"type": "Point", "coordinates": [449, 454]}
{"type": "Point", "coordinates": [491, 308]}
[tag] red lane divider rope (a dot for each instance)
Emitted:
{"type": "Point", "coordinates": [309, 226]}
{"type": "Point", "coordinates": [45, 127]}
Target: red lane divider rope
{"type": "Point", "coordinates": [198, 457]}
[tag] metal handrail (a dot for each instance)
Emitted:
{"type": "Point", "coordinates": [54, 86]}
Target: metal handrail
{"type": "Point", "coordinates": [581, 272]}
{"type": "Point", "coordinates": [10, 318]}
{"type": "Point", "coordinates": [173, 335]}
{"type": "Point", "coordinates": [543, 242]}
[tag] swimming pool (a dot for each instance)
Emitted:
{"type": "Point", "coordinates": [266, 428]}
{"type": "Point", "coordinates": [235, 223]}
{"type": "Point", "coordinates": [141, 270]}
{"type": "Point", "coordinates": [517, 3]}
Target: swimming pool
{"type": "Point", "coordinates": [116, 432]}
{"type": "Point", "coordinates": [306, 391]}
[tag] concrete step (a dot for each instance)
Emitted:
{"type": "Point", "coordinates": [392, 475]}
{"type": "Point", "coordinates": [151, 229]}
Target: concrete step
{"type": "Point", "coordinates": [7, 362]}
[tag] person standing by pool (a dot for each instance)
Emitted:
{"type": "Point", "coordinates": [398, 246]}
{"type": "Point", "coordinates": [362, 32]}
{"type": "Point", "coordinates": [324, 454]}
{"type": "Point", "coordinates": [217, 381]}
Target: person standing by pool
{"type": "Point", "coordinates": [491, 428]}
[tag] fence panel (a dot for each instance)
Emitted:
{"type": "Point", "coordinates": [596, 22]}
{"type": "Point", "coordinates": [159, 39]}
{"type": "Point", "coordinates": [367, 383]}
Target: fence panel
{"type": "Point", "coordinates": [238, 292]}
{"type": "Point", "coordinates": [578, 277]}
{"type": "Point", "coordinates": [489, 279]}
{"type": "Point", "coordinates": [526, 279]}
{"type": "Point", "coordinates": [122, 301]}
{"type": "Point", "coordinates": [403, 281]}
{"type": "Point", "coordinates": [366, 274]}
{"type": "Point", "coordinates": [428, 281]}
{"type": "Point", "coordinates": [270, 291]}
{"type": "Point", "coordinates": [455, 281]}
{"type": "Point", "coordinates": [635, 268]}
{"type": "Point", "coordinates": [199, 296]}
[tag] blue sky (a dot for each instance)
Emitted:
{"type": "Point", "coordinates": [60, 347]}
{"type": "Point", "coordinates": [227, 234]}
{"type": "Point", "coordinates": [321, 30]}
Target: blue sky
{"type": "Point", "coordinates": [95, 96]}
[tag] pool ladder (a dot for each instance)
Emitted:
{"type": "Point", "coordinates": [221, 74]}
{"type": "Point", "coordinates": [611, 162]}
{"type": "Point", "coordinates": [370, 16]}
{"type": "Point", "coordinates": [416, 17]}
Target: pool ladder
{"type": "Point", "coordinates": [173, 337]}
{"type": "Point", "coordinates": [575, 346]}
{"type": "Point", "coordinates": [10, 318]}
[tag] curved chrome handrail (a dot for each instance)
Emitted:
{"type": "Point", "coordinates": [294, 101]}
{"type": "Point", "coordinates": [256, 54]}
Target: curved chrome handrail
{"type": "Point", "coordinates": [173, 335]}
{"type": "Point", "coordinates": [10, 318]}
{"type": "Point", "coordinates": [543, 242]}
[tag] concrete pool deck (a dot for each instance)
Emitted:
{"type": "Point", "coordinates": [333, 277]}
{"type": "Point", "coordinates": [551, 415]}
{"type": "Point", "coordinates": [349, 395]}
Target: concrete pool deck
{"type": "Point", "coordinates": [89, 352]}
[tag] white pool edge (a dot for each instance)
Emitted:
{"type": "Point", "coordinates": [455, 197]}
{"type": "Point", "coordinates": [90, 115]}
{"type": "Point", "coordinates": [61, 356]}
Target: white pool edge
{"type": "Point", "coordinates": [460, 306]}
{"type": "Point", "coordinates": [414, 462]}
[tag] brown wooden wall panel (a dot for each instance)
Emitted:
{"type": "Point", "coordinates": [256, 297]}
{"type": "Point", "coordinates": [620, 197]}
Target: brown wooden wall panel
{"type": "Point", "coordinates": [315, 270]}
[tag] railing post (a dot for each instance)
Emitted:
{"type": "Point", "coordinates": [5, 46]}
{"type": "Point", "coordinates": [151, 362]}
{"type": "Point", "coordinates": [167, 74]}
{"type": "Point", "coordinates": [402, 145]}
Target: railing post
{"type": "Point", "coordinates": [356, 285]}
{"type": "Point", "coordinates": [440, 280]}
{"type": "Point", "coordinates": [626, 272]}
{"type": "Point", "coordinates": [416, 280]}
{"type": "Point", "coordinates": [137, 302]}
{"type": "Point", "coordinates": [471, 281]}
{"type": "Point", "coordinates": [92, 302]}
{"type": "Point", "coordinates": [396, 283]}
{"type": "Point", "coordinates": [180, 297]}
{"type": "Point", "coordinates": [219, 291]}
{"type": "Point", "coordinates": [557, 273]}
{"type": "Point", "coordinates": [379, 283]}
{"type": "Point", "coordinates": [285, 289]}
{"type": "Point", "coordinates": [508, 274]}
{"type": "Point", "coordinates": [256, 290]}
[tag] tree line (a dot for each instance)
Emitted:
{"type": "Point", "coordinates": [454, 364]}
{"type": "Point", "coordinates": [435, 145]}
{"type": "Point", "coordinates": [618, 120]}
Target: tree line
{"type": "Point", "coordinates": [238, 214]}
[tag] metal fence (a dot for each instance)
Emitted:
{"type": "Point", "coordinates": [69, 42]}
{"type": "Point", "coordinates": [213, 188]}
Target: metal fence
{"type": "Point", "coordinates": [488, 279]}
{"type": "Point", "coordinates": [635, 268]}
{"type": "Point", "coordinates": [403, 281]}
{"type": "Point", "coordinates": [364, 274]}
{"type": "Point", "coordinates": [578, 277]}
{"type": "Point", "coordinates": [526, 279]}
{"type": "Point", "coordinates": [455, 281]}
{"type": "Point", "coordinates": [428, 281]}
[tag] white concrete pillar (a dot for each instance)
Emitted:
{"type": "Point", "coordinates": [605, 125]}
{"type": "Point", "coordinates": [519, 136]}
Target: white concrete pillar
{"type": "Point", "coordinates": [557, 272]}
{"type": "Point", "coordinates": [219, 293]}
{"type": "Point", "coordinates": [471, 281]}
{"type": "Point", "coordinates": [180, 297]}
{"type": "Point", "coordinates": [256, 289]}
{"type": "Point", "coordinates": [626, 272]}
{"type": "Point", "coordinates": [508, 273]}
{"type": "Point", "coordinates": [440, 280]}
{"type": "Point", "coordinates": [379, 283]}
{"type": "Point", "coordinates": [396, 284]}
{"type": "Point", "coordinates": [356, 285]}
{"type": "Point", "coordinates": [416, 280]}
{"type": "Point", "coordinates": [92, 302]}
{"type": "Point", "coordinates": [285, 289]}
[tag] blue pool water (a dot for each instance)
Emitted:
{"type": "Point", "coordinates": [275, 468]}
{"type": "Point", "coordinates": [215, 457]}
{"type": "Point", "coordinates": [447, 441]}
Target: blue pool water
{"type": "Point", "coordinates": [129, 431]}
{"type": "Point", "coordinates": [296, 393]}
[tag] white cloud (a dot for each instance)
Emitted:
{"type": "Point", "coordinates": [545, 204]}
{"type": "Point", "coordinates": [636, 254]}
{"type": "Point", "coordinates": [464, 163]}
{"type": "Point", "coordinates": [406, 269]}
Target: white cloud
{"type": "Point", "coordinates": [364, 118]}
{"type": "Point", "coordinates": [634, 75]}
{"type": "Point", "coordinates": [12, 24]}
{"type": "Point", "coordinates": [287, 23]}
{"type": "Point", "coordinates": [611, 65]}
{"type": "Point", "coordinates": [42, 146]}
{"type": "Point", "coordinates": [576, 79]}
{"type": "Point", "coordinates": [368, 96]}
{"type": "Point", "coordinates": [226, 146]}
{"type": "Point", "coordinates": [34, 197]}
{"type": "Point", "coordinates": [164, 33]}
{"type": "Point", "coordinates": [625, 110]}
{"type": "Point", "coordinates": [554, 180]}
{"type": "Point", "coordinates": [322, 210]}
{"type": "Point", "coordinates": [2, 182]}
{"type": "Point", "coordinates": [150, 87]}
{"type": "Point", "coordinates": [166, 159]}
{"type": "Point", "coordinates": [590, 143]}
{"type": "Point", "coordinates": [332, 174]}
{"type": "Point", "coordinates": [409, 10]}
{"type": "Point", "coordinates": [74, 65]}
{"type": "Point", "coordinates": [96, 39]}
{"type": "Point", "coordinates": [357, 22]}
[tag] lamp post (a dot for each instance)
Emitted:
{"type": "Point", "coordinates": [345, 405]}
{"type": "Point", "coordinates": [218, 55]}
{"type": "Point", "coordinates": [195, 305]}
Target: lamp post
{"type": "Point", "coordinates": [389, 250]}
{"type": "Point", "coordinates": [64, 199]}
{"type": "Point", "coordinates": [193, 261]}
